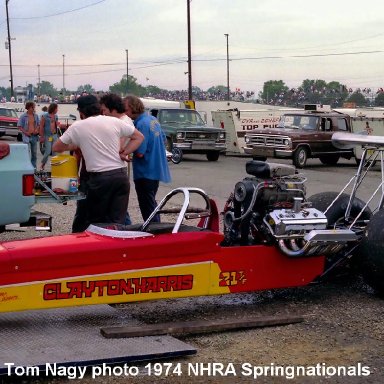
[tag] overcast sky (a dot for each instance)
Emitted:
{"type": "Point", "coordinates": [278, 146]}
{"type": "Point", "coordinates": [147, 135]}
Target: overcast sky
{"type": "Point", "coordinates": [341, 40]}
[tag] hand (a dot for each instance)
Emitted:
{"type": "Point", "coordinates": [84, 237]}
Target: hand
{"type": "Point", "coordinates": [41, 139]}
{"type": "Point", "coordinates": [125, 157]}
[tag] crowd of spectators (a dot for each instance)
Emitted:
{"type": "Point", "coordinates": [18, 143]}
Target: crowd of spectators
{"type": "Point", "coordinates": [297, 96]}
{"type": "Point", "coordinates": [238, 95]}
{"type": "Point", "coordinates": [316, 94]}
{"type": "Point", "coordinates": [71, 98]}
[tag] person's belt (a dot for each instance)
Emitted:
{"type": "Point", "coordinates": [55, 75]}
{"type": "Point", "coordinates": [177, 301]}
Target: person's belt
{"type": "Point", "coordinates": [108, 173]}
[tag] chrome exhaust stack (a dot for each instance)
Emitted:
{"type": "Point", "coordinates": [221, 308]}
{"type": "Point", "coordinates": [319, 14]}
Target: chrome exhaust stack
{"type": "Point", "coordinates": [317, 242]}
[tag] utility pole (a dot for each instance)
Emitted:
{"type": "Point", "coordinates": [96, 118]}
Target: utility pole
{"type": "Point", "coordinates": [38, 79]}
{"type": "Point", "coordinates": [63, 76]}
{"type": "Point", "coordinates": [228, 98]}
{"type": "Point", "coordinates": [9, 47]}
{"type": "Point", "coordinates": [126, 51]}
{"type": "Point", "coordinates": [189, 52]}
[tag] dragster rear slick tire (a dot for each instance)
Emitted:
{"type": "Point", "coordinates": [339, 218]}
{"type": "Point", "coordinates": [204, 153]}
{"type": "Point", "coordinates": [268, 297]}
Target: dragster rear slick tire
{"type": "Point", "coordinates": [372, 253]}
{"type": "Point", "coordinates": [335, 216]}
{"type": "Point", "coordinates": [322, 200]}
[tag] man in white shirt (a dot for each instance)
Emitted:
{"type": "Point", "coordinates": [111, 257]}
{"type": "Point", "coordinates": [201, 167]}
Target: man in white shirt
{"type": "Point", "coordinates": [98, 137]}
{"type": "Point", "coordinates": [112, 105]}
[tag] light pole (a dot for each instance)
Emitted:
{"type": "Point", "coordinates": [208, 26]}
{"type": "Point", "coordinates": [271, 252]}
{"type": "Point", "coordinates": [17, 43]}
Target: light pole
{"type": "Point", "coordinates": [189, 52]}
{"type": "Point", "coordinates": [9, 47]}
{"type": "Point", "coordinates": [38, 77]}
{"type": "Point", "coordinates": [126, 51]}
{"type": "Point", "coordinates": [63, 76]}
{"type": "Point", "coordinates": [226, 36]}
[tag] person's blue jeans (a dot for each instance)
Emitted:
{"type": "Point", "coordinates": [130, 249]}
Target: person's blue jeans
{"type": "Point", "coordinates": [48, 148]}
{"type": "Point", "coordinates": [146, 190]}
{"type": "Point", "coordinates": [33, 140]}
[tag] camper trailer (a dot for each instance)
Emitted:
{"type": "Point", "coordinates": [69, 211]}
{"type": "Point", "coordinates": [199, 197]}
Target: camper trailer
{"type": "Point", "coordinates": [239, 122]}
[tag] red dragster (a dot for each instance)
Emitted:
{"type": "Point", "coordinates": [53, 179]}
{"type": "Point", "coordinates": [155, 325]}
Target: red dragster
{"type": "Point", "coordinates": [273, 237]}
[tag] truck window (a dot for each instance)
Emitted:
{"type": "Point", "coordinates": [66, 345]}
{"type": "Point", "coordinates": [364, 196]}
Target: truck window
{"type": "Point", "coordinates": [8, 112]}
{"type": "Point", "coordinates": [186, 116]}
{"type": "Point", "coordinates": [326, 125]}
{"type": "Point", "coordinates": [310, 123]}
{"type": "Point", "coordinates": [299, 122]}
{"type": "Point", "coordinates": [342, 125]}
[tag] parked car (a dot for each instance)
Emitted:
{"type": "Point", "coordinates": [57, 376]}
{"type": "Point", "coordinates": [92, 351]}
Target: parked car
{"type": "Point", "coordinates": [8, 122]}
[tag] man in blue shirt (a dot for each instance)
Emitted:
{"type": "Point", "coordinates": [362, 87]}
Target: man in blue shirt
{"type": "Point", "coordinates": [149, 163]}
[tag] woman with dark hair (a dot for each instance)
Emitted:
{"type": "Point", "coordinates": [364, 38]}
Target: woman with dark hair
{"type": "Point", "coordinates": [48, 131]}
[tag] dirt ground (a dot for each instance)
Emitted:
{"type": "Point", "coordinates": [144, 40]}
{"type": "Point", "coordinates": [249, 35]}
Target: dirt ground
{"type": "Point", "coordinates": [343, 327]}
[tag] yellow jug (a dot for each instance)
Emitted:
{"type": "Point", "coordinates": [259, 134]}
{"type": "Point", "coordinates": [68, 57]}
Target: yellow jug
{"type": "Point", "coordinates": [64, 165]}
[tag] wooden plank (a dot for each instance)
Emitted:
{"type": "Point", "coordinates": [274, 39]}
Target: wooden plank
{"type": "Point", "coordinates": [197, 327]}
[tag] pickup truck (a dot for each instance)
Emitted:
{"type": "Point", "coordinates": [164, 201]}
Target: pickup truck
{"type": "Point", "coordinates": [17, 184]}
{"type": "Point", "coordinates": [301, 135]}
{"type": "Point", "coordinates": [8, 122]}
{"type": "Point", "coordinates": [187, 131]}
{"type": "Point", "coordinates": [22, 187]}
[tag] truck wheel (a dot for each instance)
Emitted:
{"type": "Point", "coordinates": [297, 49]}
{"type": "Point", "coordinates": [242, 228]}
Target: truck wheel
{"type": "Point", "coordinates": [213, 156]}
{"type": "Point", "coordinates": [335, 214]}
{"type": "Point", "coordinates": [371, 255]}
{"type": "Point", "coordinates": [300, 157]}
{"type": "Point", "coordinates": [329, 159]}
